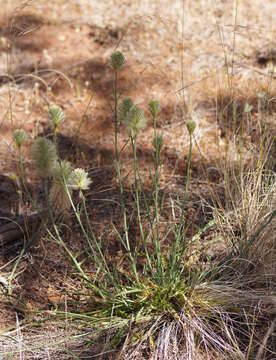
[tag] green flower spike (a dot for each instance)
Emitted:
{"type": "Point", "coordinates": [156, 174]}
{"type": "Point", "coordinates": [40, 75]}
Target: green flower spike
{"type": "Point", "coordinates": [44, 156]}
{"type": "Point", "coordinates": [135, 121]}
{"type": "Point", "coordinates": [55, 116]}
{"type": "Point", "coordinates": [19, 137]}
{"type": "Point", "coordinates": [124, 109]}
{"type": "Point", "coordinates": [191, 125]}
{"type": "Point", "coordinates": [154, 107]}
{"type": "Point", "coordinates": [117, 60]}
{"type": "Point", "coordinates": [62, 172]}
{"type": "Point", "coordinates": [79, 180]}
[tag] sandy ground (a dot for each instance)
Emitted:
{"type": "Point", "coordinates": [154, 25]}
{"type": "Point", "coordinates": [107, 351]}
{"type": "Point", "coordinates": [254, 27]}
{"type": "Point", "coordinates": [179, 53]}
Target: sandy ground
{"type": "Point", "coordinates": [75, 39]}
{"type": "Point", "coordinates": [58, 51]}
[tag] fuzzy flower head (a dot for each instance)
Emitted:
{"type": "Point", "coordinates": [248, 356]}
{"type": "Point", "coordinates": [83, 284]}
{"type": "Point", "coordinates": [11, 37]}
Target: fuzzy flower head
{"type": "Point", "coordinates": [44, 156]}
{"type": "Point", "coordinates": [191, 125]}
{"type": "Point", "coordinates": [117, 60]}
{"type": "Point", "coordinates": [154, 107]}
{"type": "Point", "coordinates": [19, 137]}
{"type": "Point", "coordinates": [79, 180]}
{"type": "Point", "coordinates": [55, 116]}
{"type": "Point", "coordinates": [124, 108]}
{"type": "Point", "coordinates": [135, 121]}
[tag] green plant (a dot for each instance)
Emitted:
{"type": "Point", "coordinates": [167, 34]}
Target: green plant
{"type": "Point", "coordinates": [169, 299]}
{"type": "Point", "coordinates": [160, 296]}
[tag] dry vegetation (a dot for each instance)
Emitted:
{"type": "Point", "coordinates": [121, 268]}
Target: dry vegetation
{"type": "Point", "coordinates": [197, 278]}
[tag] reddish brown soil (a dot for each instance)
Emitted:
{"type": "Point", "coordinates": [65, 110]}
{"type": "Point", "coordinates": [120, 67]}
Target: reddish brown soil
{"type": "Point", "coordinates": [59, 53]}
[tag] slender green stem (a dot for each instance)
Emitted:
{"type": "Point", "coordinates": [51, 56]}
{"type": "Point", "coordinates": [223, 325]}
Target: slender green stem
{"type": "Point", "coordinates": [116, 114]}
{"type": "Point", "coordinates": [179, 230]}
{"type": "Point", "coordinates": [55, 140]}
{"type": "Point", "coordinates": [136, 185]}
{"type": "Point", "coordinates": [47, 201]}
{"type": "Point", "coordinates": [22, 174]}
{"type": "Point", "coordinates": [156, 176]}
{"type": "Point", "coordinates": [156, 201]}
{"type": "Point", "coordinates": [96, 289]}
{"type": "Point", "coordinates": [126, 244]}
{"type": "Point", "coordinates": [150, 219]}
{"type": "Point", "coordinates": [106, 268]}
{"type": "Point", "coordinates": [189, 167]}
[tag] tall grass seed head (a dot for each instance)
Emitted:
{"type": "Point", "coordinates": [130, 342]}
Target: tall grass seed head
{"type": "Point", "coordinates": [19, 137]}
{"type": "Point", "coordinates": [79, 180]}
{"type": "Point", "coordinates": [135, 121]}
{"type": "Point", "coordinates": [117, 60]}
{"type": "Point", "coordinates": [154, 107]}
{"type": "Point", "coordinates": [44, 156]}
{"type": "Point", "coordinates": [55, 116]}
{"type": "Point", "coordinates": [124, 108]}
{"type": "Point", "coordinates": [191, 125]}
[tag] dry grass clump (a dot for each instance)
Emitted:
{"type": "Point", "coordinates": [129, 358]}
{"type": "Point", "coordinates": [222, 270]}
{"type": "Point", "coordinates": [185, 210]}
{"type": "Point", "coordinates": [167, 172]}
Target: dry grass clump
{"type": "Point", "coordinates": [247, 218]}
